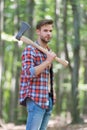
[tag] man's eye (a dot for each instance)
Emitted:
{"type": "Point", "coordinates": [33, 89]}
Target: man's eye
{"type": "Point", "coordinates": [45, 30]}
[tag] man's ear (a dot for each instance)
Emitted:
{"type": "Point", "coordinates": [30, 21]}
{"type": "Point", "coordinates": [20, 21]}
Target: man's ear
{"type": "Point", "coordinates": [38, 31]}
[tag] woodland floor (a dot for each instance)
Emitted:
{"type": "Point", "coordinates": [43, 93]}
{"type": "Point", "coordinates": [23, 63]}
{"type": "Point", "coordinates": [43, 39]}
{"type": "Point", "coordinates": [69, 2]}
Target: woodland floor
{"type": "Point", "coordinates": [57, 123]}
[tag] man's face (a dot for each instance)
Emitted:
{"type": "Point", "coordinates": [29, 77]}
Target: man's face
{"type": "Point", "coordinates": [45, 33]}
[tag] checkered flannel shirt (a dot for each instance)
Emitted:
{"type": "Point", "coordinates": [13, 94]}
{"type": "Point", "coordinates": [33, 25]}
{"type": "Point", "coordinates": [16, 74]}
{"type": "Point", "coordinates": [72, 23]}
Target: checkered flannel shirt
{"type": "Point", "coordinates": [34, 87]}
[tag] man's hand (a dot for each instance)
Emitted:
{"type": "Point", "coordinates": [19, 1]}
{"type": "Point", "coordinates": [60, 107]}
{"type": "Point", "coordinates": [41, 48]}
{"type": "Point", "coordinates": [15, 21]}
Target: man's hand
{"type": "Point", "coordinates": [50, 56]}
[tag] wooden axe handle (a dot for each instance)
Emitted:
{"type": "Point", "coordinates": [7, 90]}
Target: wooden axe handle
{"type": "Point", "coordinates": [28, 41]}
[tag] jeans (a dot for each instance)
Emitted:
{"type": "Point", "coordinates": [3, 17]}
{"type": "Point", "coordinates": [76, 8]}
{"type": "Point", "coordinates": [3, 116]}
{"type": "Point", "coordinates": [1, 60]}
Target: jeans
{"type": "Point", "coordinates": [37, 117]}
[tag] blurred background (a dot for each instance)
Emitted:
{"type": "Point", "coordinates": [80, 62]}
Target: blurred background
{"type": "Point", "coordinates": [69, 42]}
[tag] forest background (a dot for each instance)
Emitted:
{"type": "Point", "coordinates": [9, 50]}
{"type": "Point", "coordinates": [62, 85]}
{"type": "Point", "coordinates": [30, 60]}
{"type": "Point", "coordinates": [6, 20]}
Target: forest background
{"type": "Point", "coordinates": [69, 42]}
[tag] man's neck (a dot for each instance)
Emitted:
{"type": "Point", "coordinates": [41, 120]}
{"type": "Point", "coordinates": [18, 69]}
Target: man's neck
{"type": "Point", "coordinates": [42, 44]}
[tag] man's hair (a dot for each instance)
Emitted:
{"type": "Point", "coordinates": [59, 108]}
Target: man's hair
{"type": "Point", "coordinates": [43, 22]}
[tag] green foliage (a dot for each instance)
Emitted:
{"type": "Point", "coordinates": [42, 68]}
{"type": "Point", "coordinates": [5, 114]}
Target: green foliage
{"type": "Point", "coordinates": [14, 13]}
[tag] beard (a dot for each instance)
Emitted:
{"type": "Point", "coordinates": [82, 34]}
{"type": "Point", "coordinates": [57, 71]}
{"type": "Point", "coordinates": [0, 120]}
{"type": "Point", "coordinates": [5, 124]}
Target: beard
{"type": "Point", "coordinates": [45, 40]}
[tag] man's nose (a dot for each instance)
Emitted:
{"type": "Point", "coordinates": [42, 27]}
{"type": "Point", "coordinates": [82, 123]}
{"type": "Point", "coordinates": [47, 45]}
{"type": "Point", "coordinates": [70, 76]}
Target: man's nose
{"type": "Point", "coordinates": [49, 32]}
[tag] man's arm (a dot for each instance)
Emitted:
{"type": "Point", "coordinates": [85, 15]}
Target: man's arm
{"type": "Point", "coordinates": [50, 57]}
{"type": "Point", "coordinates": [28, 62]}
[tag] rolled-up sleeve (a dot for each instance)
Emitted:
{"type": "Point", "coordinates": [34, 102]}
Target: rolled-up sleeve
{"type": "Point", "coordinates": [32, 71]}
{"type": "Point", "coordinates": [28, 62]}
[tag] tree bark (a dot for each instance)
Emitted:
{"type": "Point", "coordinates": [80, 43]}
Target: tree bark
{"type": "Point", "coordinates": [65, 3]}
{"type": "Point", "coordinates": [1, 53]}
{"type": "Point", "coordinates": [76, 64]}
{"type": "Point", "coordinates": [30, 14]}
{"type": "Point", "coordinates": [15, 71]}
{"type": "Point", "coordinates": [57, 75]}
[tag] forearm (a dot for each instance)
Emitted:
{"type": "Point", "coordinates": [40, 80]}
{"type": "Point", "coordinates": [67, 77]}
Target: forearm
{"type": "Point", "coordinates": [41, 67]}
{"type": "Point", "coordinates": [46, 63]}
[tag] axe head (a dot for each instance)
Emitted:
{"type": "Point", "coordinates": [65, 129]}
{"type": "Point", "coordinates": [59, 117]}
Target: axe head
{"type": "Point", "coordinates": [24, 27]}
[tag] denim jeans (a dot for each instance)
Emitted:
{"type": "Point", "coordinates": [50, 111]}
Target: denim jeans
{"type": "Point", "coordinates": [37, 117]}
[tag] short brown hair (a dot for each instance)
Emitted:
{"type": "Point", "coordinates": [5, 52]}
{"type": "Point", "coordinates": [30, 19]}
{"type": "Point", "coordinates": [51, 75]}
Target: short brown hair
{"type": "Point", "coordinates": [43, 22]}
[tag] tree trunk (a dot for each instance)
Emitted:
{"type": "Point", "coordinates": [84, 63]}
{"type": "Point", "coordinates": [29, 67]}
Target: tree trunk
{"type": "Point", "coordinates": [15, 71]}
{"type": "Point", "coordinates": [17, 77]}
{"type": "Point", "coordinates": [30, 14]}
{"type": "Point", "coordinates": [1, 53]}
{"type": "Point", "coordinates": [65, 3]}
{"type": "Point", "coordinates": [76, 64]}
{"type": "Point", "coordinates": [57, 75]}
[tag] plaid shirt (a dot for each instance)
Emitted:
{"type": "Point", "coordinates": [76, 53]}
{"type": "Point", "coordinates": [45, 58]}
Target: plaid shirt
{"type": "Point", "coordinates": [34, 87]}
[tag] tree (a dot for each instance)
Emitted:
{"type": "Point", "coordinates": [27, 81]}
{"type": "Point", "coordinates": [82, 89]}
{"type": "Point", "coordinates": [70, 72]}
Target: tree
{"type": "Point", "coordinates": [65, 42]}
{"type": "Point", "coordinates": [57, 75]}
{"type": "Point", "coordinates": [76, 64]}
{"type": "Point", "coordinates": [30, 15]}
{"type": "Point", "coordinates": [1, 53]}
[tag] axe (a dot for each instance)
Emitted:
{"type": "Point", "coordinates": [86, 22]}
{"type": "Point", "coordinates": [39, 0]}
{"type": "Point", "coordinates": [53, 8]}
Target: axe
{"type": "Point", "coordinates": [19, 36]}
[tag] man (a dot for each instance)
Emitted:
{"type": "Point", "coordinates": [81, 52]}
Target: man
{"type": "Point", "coordinates": [36, 90]}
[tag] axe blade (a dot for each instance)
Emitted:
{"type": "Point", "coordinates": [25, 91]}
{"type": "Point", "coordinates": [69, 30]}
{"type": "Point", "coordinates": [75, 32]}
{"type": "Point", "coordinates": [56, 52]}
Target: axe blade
{"type": "Point", "coordinates": [24, 27]}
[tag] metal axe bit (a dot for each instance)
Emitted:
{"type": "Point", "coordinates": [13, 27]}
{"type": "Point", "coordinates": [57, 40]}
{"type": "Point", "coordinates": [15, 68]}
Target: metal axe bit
{"type": "Point", "coordinates": [24, 27]}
